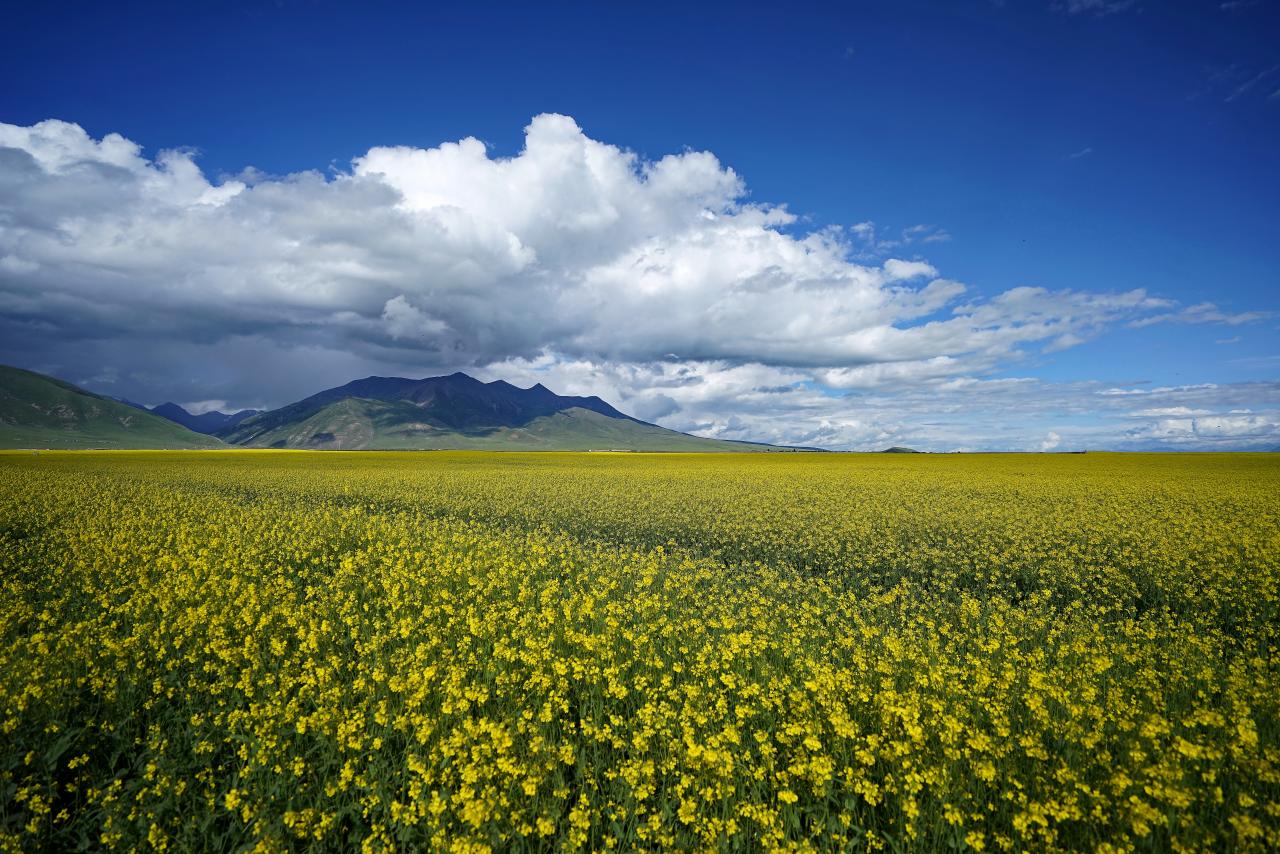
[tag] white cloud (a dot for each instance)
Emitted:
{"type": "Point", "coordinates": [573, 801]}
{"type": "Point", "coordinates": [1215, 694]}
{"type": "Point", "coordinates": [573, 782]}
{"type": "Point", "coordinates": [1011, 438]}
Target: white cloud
{"type": "Point", "coordinates": [655, 283]}
{"type": "Point", "coordinates": [898, 270]}
{"type": "Point", "coordinates": [1050, 441]}
{"type": "Point", "coordinates": [200, 407]}
{"type": "Point", "coordinates": [1208, 432]}
{"type": "Point", "coordinates": [404, 320]}
{"type": "Point", "coordinates": [795, 406]}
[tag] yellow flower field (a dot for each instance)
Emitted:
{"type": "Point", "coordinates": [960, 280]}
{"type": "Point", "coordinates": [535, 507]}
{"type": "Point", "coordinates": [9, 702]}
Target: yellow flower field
{"type": "Point", "coordinates": [467, 651]}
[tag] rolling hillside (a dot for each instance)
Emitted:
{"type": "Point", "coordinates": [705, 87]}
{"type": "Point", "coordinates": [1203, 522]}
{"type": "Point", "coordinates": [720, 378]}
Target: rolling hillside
{"type": "Point", "coordinates": [37, 411]}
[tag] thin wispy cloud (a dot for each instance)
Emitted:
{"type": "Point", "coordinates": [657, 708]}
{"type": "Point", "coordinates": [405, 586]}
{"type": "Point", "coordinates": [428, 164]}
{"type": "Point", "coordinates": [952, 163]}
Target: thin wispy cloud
{"type": "Point", "coordinates": [1243, 88]}
{"type": "Point", "coordinates": [1258, 361]}
{"type": "Point", "coordinates": [1205, 312]}
{"type": "Point", "coordinates": [1084, 152]}
{"type": "Point", "coordinates": [870, 240]}
{"type": "Point", "coordinates": [1095, 7]}
{"type": "Point", "coordinates": [1238, 82]}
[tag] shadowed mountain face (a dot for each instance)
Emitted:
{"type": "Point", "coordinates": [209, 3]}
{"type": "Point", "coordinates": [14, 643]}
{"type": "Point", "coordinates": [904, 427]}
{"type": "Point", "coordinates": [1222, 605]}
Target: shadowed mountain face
{"type": "Point", "coordinates": [37, 411]}
{"type": "Point", "coordinates": [455, 403]}
{"type": "Point", "coordinates": [459, 412]}
{"type": "Point", "coordinates": [465, 403]}
{"type": "Point", "coordinates": [206, 422]}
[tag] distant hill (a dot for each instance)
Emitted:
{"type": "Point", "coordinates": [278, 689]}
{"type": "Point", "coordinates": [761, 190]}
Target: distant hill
{"type": "Point", "coordinates": [205, 422]}
{"type": "Point", "coordinates": [37, 411]}
{"type": "Point", "coordinates": [459, 412]}
{"type": "Point", "coordinates": [898, 449]}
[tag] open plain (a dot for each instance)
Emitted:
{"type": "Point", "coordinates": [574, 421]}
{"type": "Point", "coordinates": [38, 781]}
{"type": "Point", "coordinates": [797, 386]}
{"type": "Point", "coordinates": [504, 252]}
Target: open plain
{"type": "Point", "coordinates": [471, 651]}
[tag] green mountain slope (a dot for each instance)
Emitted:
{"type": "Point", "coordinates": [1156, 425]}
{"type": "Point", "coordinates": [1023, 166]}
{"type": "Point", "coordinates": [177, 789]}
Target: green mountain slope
{"type": "Point", "coordinates": [459, 412]}
{"type": "Point", "coordinates": [37, 411]}
{"type": "Point", "coordinates": [356, 423]}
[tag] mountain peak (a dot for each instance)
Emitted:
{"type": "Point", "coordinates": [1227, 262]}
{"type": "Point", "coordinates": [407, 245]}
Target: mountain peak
{"type": "Point", "coordinates": [456, 410]}
{"type": "Point", "coordinates": [206, 422]}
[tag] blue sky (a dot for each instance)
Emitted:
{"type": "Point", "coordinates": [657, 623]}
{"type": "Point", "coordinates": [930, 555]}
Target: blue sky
{"type": "Point", "coordinates": [1090, 146]}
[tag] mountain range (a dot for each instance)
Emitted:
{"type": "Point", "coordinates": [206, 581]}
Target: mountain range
{"type": "Point", "coordinates": [456, 412]}
{"type": "Point", "coordinates": [206, 422]}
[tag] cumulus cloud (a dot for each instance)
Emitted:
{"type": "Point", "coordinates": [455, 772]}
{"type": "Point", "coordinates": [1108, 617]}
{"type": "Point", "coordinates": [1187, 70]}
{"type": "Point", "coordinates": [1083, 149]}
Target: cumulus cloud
{"type": "Point", "coordinates": [404, 320]}
{"type": "Point", "coordinates": [657, 283]}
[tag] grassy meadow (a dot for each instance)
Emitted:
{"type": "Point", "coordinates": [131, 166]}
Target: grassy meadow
{"type": "Point", "coordinates": [261, 650]}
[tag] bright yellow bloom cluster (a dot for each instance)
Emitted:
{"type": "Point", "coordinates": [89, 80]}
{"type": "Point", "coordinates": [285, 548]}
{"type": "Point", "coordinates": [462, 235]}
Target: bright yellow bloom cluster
{"type": "Point", "coordinates": [462, 651]}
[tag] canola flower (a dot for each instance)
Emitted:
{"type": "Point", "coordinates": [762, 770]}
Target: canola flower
{"type": "Point", "coordinates": [470, 652]}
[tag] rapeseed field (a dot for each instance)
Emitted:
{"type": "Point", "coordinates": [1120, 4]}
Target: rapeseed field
{"type": "Point", "coordinates": [469, 652]}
